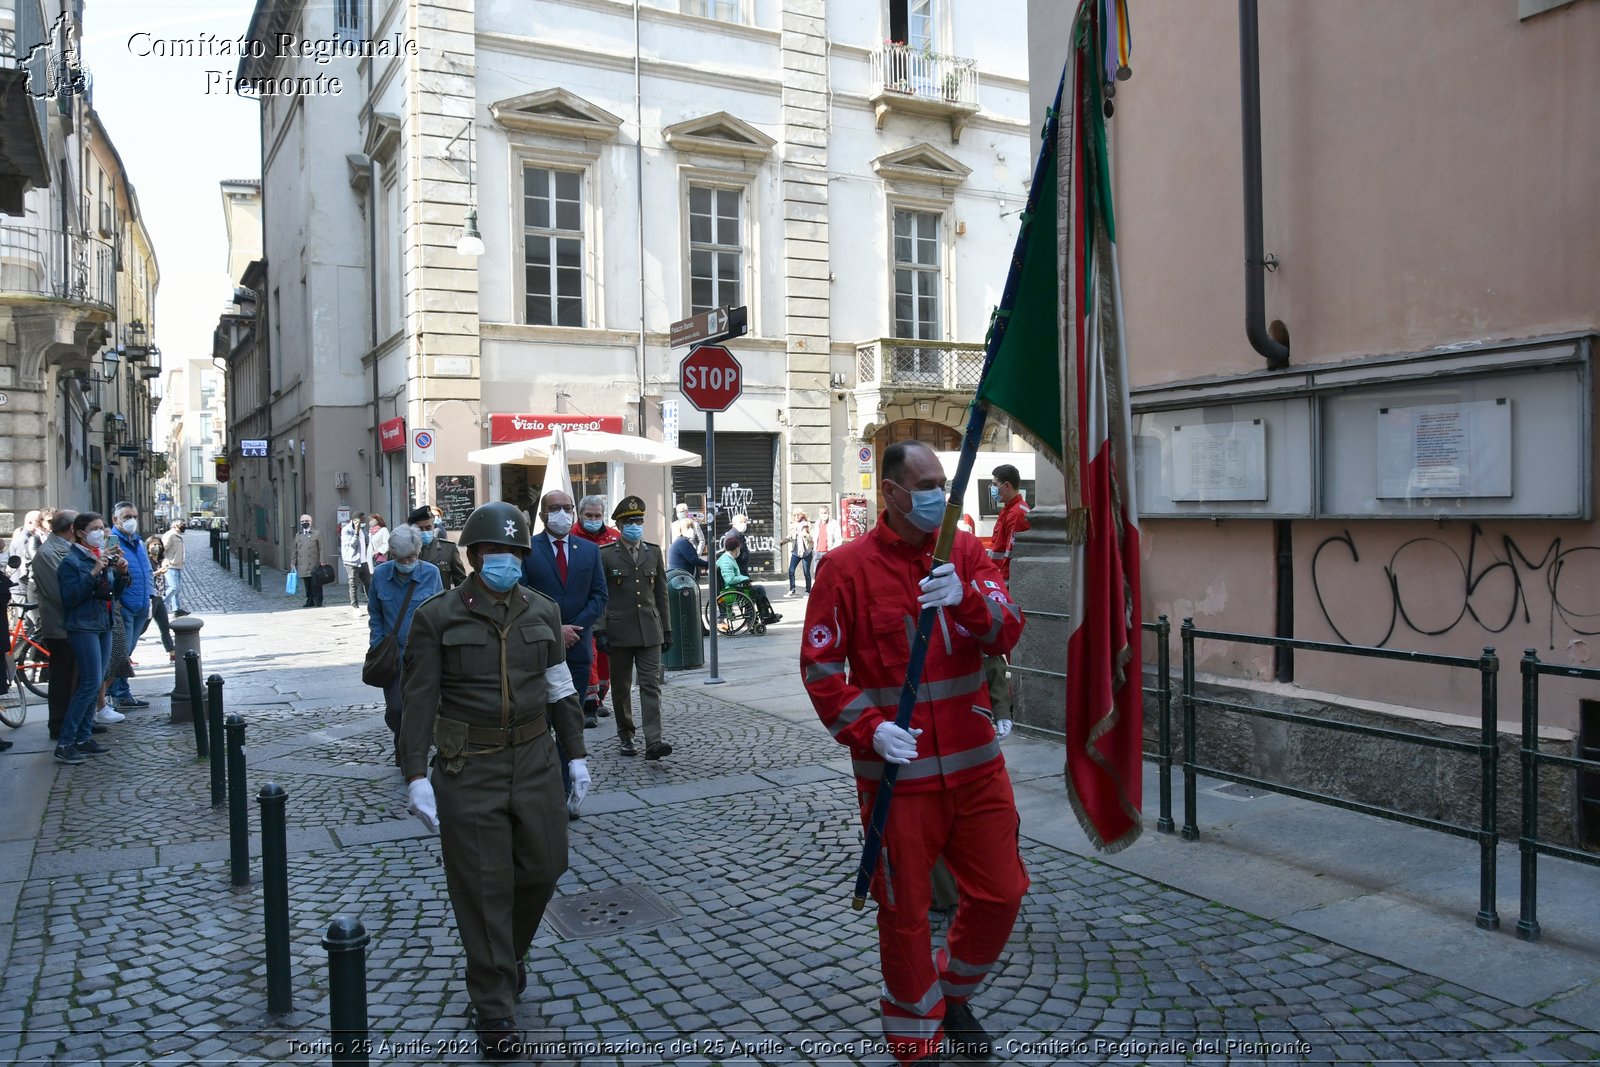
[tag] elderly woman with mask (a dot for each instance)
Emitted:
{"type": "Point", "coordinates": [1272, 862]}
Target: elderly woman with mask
{"type": "Point", "coordinates": [389, 610]}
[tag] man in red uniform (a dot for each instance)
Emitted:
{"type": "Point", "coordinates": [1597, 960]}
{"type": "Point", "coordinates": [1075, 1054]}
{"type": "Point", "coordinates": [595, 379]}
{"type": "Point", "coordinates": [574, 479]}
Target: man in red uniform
{"type": "Point", "coordinates": [592, 526]}
{"type": "Point", "coordinates": [1013, 517]}
{"type": "Point", "coordinates": [953, 796]}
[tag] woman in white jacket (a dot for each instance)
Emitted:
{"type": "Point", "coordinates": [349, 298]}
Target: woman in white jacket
{"type": "Point", "coordinates": [378, 542]}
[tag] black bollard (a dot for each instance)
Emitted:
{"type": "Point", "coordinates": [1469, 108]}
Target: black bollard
{"type": "Point", "coordinates": [219, 766]}
{"type": "Point", "coordinates": [257, 580]}
{"type": "Point", "coordinates": [275, 896]}
{"type": "Point", "coordinates": [238, 803]}
{"type": "Point", "coordinates": [191, 666]}
{"type": "Point", "coordinates": [346, 943]}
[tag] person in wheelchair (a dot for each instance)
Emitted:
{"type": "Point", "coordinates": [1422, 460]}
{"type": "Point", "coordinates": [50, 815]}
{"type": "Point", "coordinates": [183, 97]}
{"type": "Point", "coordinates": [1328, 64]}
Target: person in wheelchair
{"type": "Point", "coordinates": [733, 578]}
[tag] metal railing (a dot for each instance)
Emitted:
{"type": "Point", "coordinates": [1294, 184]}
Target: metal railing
{"type": "Point", "coordinates": [947, 365]}
{"type": "Point", "coordinates": [47, 262]}
{"type": "Point", "coordinates": [1486, 747]}
{"type": "Point", "coordinates": [1532, 759]}
{"type": "Point", "coordinates": [899, 68]}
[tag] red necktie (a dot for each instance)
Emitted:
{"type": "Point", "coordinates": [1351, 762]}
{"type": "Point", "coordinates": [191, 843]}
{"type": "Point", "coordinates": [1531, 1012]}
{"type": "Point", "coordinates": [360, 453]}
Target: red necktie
{"type": "Point", "coordinates": [561, 559]}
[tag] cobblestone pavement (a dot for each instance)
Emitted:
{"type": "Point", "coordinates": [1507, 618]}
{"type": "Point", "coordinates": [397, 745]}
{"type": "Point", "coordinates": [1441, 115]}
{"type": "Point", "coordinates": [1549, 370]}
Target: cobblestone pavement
{"type": "Point", "coordinates": [129, 946]}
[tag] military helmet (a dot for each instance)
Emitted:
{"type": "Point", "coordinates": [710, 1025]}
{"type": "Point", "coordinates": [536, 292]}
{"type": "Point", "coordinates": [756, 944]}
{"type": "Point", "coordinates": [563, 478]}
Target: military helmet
{"type": "Point", "coordinates": [496, 523]}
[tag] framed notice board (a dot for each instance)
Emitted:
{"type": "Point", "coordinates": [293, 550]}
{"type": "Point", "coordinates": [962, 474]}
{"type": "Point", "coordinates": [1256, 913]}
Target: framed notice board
{"type": "Point", "coordinates": [1223, 460]}
{"type": "Point", "coordinates": [456, 495]}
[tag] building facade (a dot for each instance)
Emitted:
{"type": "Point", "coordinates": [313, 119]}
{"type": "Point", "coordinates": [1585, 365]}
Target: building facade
{"type": "Point", "coordinates": [1419, 475]}
{"type": "Point", "coordinates": [78, 279]}
{"type": "Point", "coordinates": [194, 408]}
{"type": "Point", "coordinates": [848, 172]}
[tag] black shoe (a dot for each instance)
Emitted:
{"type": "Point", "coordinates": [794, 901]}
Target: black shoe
{"type": "Point", "coordinates": [132, 702]}
{"type": "Point", "coordinates": [590, 722]}
{"type": "Point", "coordinates": [499, 1039]}
{"type": "Point", "coordinates": [657, 750]}
{"type": "Point", "coordinates": [180, 614]}
{"type": "Point", "coordinates": [4, 745]}
{"type": "Point", "coordinates": [968, 1040]}
{"type": "Point", "coordinates": [522, 978]}
{"type": "Point", "coordinates": [628, 749]}
{"type": "Point", "coordinates": [91, 748]}
{"type": "Point", "coordinates": [98, 729]}
{"type": "Point", "coordinates": [69, 754]}
{"type": "Point", "coordinates": [604, 712]}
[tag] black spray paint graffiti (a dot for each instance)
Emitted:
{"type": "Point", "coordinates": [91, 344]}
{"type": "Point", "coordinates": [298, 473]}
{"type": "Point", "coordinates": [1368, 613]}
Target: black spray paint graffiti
{"type": "Point", "coordinates": [1491, 589]}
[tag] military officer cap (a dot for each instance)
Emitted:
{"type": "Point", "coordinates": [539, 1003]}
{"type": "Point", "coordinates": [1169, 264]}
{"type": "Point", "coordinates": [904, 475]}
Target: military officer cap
{"type": "Point", "coordinates": [496, 523]}
{"type": "Point", "coordinates": [631, 507]}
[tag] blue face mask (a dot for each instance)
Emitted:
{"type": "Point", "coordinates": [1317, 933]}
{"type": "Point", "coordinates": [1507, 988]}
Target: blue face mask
{"type": "Point", "coordinates": [994, 495]}
{"type": "Point", "coordinates": [427, 537]}
{"type": "Point", "coordinates": [632, 531]}
{"type": "Point", "coordinates": [406, 568]}
{"type": "Point", "coordinates": [927, 509]}
{"type": "Point", "coordinates": [501, 571]}
{"type": "Point", "coordinates": [594, 526]}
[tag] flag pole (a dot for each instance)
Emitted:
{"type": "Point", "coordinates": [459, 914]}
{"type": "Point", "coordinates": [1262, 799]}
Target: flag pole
{"type": "Point", "coordinates": [977, 418]}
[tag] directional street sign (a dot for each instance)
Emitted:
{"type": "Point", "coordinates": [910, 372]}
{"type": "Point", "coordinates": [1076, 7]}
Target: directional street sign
{"type": "Point", "coordinates": [718, 324]}
{"type": "Point", "coordinates": [710, 378]}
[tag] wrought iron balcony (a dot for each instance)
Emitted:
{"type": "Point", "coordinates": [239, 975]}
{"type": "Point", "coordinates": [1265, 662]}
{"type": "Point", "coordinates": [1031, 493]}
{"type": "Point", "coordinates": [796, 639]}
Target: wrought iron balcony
{"type": "Point", "coordinates": [923, 82]}
{"type": "Point", "coordinates": [49, 264]}
{"type": "Point", "coordinates": [899, 363]}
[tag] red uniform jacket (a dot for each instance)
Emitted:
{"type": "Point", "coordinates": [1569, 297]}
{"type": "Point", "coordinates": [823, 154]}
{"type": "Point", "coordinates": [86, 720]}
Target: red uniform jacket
{"type": "Point", "coordinates": [608, 535]}
{"type": "Point", "coordinates": [1012, 520]}
{"type": "Point", "coordinates": [857, 644]}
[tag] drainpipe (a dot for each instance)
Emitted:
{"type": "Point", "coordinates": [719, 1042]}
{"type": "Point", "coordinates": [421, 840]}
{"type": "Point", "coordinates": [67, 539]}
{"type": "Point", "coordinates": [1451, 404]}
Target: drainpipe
{"type": "Point", "coordinates": [1272, 342]}
{"type": "Point", "coordinates": [376, 468]}
{"type": "Point", "coordinates": [638, 159]}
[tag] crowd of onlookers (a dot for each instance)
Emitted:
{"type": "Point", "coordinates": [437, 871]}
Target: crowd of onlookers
{"type": "Point", "coordinates": [90, 589]}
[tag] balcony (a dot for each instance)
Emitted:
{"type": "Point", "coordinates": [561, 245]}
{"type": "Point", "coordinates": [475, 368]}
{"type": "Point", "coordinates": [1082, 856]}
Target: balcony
{"type": "Point", "coordinates": [23, 165]}
{"type": "Point", "coordinates": [891, 363]}
{"type": "Point", "coordinates": [41, 264]}
{"type": "Point", "coordinates": [924, 83]}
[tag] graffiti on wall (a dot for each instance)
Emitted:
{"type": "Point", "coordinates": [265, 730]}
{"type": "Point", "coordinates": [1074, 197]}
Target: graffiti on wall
{"type": "Point", "coordinates": [1490, 587]}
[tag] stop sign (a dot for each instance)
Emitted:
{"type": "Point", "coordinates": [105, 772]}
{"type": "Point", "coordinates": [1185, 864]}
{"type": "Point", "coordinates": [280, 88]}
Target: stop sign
{"type": "Point", "coordinates": [710, 378]}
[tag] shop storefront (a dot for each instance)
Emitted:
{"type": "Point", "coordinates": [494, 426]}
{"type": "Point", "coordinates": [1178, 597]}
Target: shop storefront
{"type": "Point", "coordinates": [747, 481]}
{"type": "Point", "coordinates": [520, 483]}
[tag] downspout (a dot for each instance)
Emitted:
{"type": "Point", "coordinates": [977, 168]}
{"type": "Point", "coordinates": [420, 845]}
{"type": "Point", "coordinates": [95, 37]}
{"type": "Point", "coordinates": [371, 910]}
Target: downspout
{"type": "Point", "coordinates": [376, 469]}
{"type": "Point", "coordinates": [638, 160]}
{"type": "Point", "coordinates": [1272, 342]}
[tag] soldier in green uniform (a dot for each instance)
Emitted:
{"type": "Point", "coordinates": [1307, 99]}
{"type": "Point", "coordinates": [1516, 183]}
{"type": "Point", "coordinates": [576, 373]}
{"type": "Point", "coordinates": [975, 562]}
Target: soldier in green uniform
{"type": "Point", "coordinates": [486, 682]}
{"type": "Point", "coordinates": [635, 630]}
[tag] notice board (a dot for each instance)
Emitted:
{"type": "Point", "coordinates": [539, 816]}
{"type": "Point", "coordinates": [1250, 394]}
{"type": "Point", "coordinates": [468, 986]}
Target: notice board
{"type": "Point", "coordinates": [456, 495]}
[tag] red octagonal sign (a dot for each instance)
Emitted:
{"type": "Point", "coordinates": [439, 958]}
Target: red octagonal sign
{"type": "Point", "coordinates": [710, 378]}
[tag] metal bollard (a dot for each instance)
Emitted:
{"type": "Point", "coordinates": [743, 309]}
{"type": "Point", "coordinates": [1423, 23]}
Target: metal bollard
{"type": "Point", "coordinates": [256, 581]}
{"type": "Point", "coordinates": [186, 639]}
{"type": "Point", "coordinates": [241, 564]}
{"type": "Point", "coordinates": [219, 766]}
{"type": "Point", "coordinates": [346, 943]}
{"type": "Point", "coordinates": [238, 804]}
{"type": "Point", "coordinates": [191, 666]}
{"type": "Point", "coordinates": [275, 896]}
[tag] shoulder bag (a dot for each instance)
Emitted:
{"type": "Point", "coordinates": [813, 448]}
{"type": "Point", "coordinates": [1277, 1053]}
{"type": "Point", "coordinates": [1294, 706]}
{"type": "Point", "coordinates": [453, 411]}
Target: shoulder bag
{"type": "Point", "coordinates": [382, 664]}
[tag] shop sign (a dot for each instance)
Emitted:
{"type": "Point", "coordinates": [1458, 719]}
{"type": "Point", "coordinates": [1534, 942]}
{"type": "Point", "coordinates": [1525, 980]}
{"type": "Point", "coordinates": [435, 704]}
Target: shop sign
{"type": "Point", "coordinates": [504, 428]}
{"type": "Point", "coordinates": [392, 434]}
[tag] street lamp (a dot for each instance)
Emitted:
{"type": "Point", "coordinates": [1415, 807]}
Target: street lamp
{"type": "Point", "coordinates": [470, 243]}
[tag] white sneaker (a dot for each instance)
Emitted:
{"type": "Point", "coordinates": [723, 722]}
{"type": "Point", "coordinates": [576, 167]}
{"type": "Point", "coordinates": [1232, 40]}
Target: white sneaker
{"type": "Point", "coordinates": [109, 714]}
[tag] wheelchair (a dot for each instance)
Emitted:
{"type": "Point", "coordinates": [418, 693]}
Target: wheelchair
{"type": "Point", "coordinates": [736, 612]}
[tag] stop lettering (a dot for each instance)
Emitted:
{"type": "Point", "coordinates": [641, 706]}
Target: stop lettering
{"type": "Point", "coordinates": [710, 378]}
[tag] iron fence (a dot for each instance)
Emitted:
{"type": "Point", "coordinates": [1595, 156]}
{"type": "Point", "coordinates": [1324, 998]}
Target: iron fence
{"type": "Point", "coordinates": [925, 75]}
{"type": "Point", "coordinates": [946, 365]}
{"type": "Point", "coordinates": [46, 262]}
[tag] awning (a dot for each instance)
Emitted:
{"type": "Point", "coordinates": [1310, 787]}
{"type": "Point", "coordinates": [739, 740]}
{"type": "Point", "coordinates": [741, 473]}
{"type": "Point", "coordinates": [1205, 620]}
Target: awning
{"type": "Point", "coordinates": [587, 446]}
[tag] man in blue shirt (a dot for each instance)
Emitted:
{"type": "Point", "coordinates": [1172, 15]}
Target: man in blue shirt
{"type": "Point", "coordinates": [134, 602]}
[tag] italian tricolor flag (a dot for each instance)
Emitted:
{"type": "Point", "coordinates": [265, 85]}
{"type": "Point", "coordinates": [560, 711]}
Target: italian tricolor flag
{"type": "Point", "coordinates": [1060, 376]}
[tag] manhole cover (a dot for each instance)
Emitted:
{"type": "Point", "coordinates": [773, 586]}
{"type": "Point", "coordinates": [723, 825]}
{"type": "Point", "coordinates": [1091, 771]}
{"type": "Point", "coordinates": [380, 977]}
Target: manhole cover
{"type": "Point", "coordinates": [607, 911]}
{"type": "Point", "coordinates": [1243, 792]}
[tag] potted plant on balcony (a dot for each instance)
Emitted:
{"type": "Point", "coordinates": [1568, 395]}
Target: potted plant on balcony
{"type": "Point", "coordinates": [952, 86]}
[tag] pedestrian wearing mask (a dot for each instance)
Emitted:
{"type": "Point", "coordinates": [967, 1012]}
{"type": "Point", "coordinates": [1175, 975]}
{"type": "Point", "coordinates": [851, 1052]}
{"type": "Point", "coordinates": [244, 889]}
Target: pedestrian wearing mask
{"type": "Point", "coordinates": [728, 571]}
{"type": "Point", "coordinates": [172, 551]}
{"type": "Point", "coordinates": [355, 550]}
{"type": "Point", "coordinates": [158, 592]}
{"type": "Point", "coordinates": [399, 587]}
{"type": "Point", "coordinates": [592, 527]}
{"type": "Point", "coordinates": [953, 796]}
{"type": "Point", "coordinates": [52, 618]}
{"type": "Point", "coordinates": [134, 604]}
{"type": "Point", "coordinates": [90, 580]}
{"type": "Point", "coordinates": [738, 526]}
{"type": "Point", "coordinates": [827, 535]}
{"type": "Point", "coordinates": [635, 629]}
{"type": "Point", "coordinates": [308, 556]}
{"type": "Point", "coordinates": [487, 687]}
{"type": "Point", "coordinates": [380, 540]}
{"type": "Point", "coordinates": [800, 550]}
{"type": "Point", "coordinates": [436, 547]}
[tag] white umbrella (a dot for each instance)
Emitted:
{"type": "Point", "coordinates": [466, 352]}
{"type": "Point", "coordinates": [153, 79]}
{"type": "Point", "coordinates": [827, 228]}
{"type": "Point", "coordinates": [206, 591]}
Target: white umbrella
{"type": "Point", "coordinates": [588, 446]}
{"type": "Point", "coordinates": [556, 475]}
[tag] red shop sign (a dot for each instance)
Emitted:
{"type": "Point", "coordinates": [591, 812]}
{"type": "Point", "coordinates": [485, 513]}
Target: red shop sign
{"type": "Point", "coordinates": [503, 428]}
{"type": "Point", "coordinates": [392, 434]}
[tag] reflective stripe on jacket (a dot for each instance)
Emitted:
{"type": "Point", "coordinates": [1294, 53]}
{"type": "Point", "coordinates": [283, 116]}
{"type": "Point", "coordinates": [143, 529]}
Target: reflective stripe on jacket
{"type": "Point", "coordinates": [857, 645]}
{"type": "Point", "coordinates": [1012, 520]}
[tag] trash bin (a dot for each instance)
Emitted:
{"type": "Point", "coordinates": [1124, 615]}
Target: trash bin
{"type": "Point", "coordinates": [683, 612]}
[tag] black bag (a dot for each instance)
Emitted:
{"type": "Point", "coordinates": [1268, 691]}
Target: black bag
{"type": "Point", "coordinates": [323, 574]}
{"type": "Point", "coordinates": [382, 664]}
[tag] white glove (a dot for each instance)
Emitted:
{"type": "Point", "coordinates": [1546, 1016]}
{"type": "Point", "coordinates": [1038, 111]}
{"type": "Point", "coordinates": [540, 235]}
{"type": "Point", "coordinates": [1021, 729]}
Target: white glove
{"type": "Point", "coordinates": [894, 744]}
{"type": "Point", "coordinates": [942, 588]}
{"type": "Point", "coordinates": [579, 770]}
{"type": "Point", "coordinates": [423, 805]}
{"type": "Point", "coordinates": [1002, 729]}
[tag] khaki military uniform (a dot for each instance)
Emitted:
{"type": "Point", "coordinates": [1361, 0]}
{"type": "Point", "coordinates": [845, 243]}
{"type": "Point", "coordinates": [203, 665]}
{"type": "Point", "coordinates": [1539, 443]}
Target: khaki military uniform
{"type": "Point", "coordinates": [635, 624]}
{"type": "Point", "coordinates": [447, 557]}
{"type": "Point", "coordinates": [475, 691]}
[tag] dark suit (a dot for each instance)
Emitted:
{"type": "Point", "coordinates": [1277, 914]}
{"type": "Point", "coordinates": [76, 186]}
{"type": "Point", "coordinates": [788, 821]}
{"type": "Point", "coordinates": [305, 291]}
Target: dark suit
{"type": "Point", "coordinates": [581, 598]}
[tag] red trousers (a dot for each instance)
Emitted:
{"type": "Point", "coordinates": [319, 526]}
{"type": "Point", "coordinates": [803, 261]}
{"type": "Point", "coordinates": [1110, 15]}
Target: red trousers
{"type": "Point", "coordinates": [599, 679]}
{"type": "Point", "coordinates": [974, 827]}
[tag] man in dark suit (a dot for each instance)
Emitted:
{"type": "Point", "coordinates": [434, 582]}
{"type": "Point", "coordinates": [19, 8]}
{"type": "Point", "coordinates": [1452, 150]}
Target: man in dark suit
{"type": "Point", "coordinates": [567, 570]}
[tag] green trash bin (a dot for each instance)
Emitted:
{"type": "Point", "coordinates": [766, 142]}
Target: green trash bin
{"type": "Point", "coordinates": [683, 612]}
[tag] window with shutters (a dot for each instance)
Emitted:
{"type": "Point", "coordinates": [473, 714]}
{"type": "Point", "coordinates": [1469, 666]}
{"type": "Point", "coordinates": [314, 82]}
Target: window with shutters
{"type": "Point", "coordinates": [552, 219]}
{"type": "Point", "coordinates": [917, 286]}
{"type": "Point", "coordinates": [716, 247]}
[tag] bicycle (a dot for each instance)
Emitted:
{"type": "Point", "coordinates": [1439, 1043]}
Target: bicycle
{"type": "Point", "coordinates": [735, 613]}
{"type": "Point", "coordinates": [27, 661]}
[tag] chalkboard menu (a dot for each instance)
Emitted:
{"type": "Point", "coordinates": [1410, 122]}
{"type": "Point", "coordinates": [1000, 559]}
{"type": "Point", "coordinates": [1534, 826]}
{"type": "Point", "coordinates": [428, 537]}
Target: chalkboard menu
{"type": "Point", "coordinates": [456, 496]}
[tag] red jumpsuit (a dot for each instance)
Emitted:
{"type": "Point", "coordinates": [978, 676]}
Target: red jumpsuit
{"type": "Point", "coordinates": [1012, 520]}
{"type": "Point", "coordinates": [955, 798]}
{"type": "Point", "coordinates": [600, 665]}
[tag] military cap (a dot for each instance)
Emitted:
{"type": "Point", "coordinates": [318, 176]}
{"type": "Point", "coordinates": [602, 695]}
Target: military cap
{"type": "Point", "coordinates": [631, 507]}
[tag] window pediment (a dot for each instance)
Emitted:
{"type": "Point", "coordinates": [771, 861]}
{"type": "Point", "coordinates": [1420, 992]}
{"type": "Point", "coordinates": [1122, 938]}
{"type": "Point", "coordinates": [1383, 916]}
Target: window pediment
{"type": "Point", "coordinates": [383, 136]}
{"type": "Point", "coordinates": [921, 163]}
{"type": "Point", "coordinates": [556, 111]}
{"type": "Point", "coordinates": [720, 134]}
